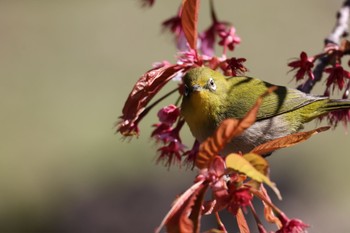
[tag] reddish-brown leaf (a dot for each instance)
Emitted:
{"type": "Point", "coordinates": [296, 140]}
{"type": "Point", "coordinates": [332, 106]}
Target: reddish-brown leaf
{"type": "Point", "coordinates": [227, 130]}
{"type": "Point", "coordinates": [196, 209]}
{"type": "Point", "coordinates": [144, 90]}
{"type": "Point", "coordinates": [242, 222]}
{"type": "Point", "coordinates": [268, 211]}
{"type": "Point", "coordinates": [189, 20]}
{"type": "Point", "coordinates": [286, 141]}
{"type": "Point", "coordinates": [184, 216]}
{"type": "Point", "coordinates": [263, 196]}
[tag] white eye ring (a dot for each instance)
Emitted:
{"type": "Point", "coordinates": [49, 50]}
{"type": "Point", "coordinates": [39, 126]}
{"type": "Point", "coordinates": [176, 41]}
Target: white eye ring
{"type": "Point", "coordinates": [211, 84]}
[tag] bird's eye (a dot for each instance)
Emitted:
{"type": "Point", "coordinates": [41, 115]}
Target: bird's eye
{"type": "Point", "coordinates": [211, 84]}
{"type": "Point", "coordinates": [186, 91]}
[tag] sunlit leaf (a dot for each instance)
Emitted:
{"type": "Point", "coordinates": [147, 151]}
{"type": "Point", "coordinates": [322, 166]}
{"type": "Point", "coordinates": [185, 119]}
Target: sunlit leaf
{"type": "Point", "coordinates": [189, 20]}
{"type": "Point", "coordinates": [242, 222]}
{"type": "Point", "coordinates": [286, 141]}
{"type": "Point", "coordinates": [227, 130]}
{"type": "Point", "coordinates": [240, 164]}
{"type": "Point", "coordinates": [260, 164]}
{"type": "Point", "coordinates": [144, 90]}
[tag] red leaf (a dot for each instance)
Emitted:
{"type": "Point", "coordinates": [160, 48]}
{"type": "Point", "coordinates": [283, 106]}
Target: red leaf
{"type": "Point", "coordinates": [184, 216]}
{"type": "Point", "coordinates": [189, 20]}
{"type": "Point", "coordinates": [144, 90]}
{"type": "Point", "coordinates": [242, 223]}
{"type": "Point", "coordinates": [227, 130]}
{"type": "Point", "coordinates": [286, 141]}
{"type": "Point", "coordinates": [268, 211]}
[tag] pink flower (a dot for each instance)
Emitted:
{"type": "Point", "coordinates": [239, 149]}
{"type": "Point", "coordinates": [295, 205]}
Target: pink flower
{"type": "Point", "coordinates": [337, 76]}
{"type": "Point", "coordinates": [339, 116]}
{"type": "Point", "coordinates": [304, 66]}
{"type": "Point", "coordinates": [240, 197]}
{"type": "Point", "coordinates": [162, 132]}
{"type": "Point", "coordinates": [293, 226]}
{"type": "Point", "coordinates": [208, 37]}
{"type": "Point", "coordinates": [169, 114]}
{"type": "Point", "coordinates": [228, 192]}
{"type": "Point", "coordinates": [191, 155]}
{"type": "Point", "coordinates": [290, 225]}
{"type": "Point", "coordinates": [174, 25]}
{"type": "Point", "coordinates": [234, 67]}
{"type": "Point", "coordinates": [229, 39]}
{"type": "Point", "coordinates": [173, 148]}
{"type": "Point", "coordinates": [189, 57]}
{"type": "Point", "coordinates": [171, 153]}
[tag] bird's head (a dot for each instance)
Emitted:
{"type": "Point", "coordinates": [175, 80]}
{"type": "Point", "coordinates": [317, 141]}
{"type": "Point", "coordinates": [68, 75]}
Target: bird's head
{"type": "Point", "coordinates": [204, 99]}
{"type": "Point", "coordinates": [204, 82]}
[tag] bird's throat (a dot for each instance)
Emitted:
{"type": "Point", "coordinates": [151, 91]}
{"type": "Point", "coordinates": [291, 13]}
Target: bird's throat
{"type": "Point", "coordinates": [200, 112]}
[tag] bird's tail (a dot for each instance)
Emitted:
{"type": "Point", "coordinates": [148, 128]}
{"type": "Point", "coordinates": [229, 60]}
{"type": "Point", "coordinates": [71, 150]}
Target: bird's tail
{"type": "Point", "coordinates": [336, 104]}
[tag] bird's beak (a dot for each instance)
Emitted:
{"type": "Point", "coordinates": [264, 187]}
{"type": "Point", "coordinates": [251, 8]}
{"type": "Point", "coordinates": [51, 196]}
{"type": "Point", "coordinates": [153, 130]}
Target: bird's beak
{"type": "Point", "coordinates": [196, 87]}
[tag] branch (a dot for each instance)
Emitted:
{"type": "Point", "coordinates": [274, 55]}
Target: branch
{"type": "Point", "coordinates": [341, 27]}
{"type": "Point", "coordinates": [321, 63]}
{"type": "Point", "coordinates": [339, 31]}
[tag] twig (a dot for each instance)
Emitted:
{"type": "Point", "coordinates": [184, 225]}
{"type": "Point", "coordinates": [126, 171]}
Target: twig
{"type": "Point", "coordinates": [341, 27]}
{"type": "Point", "coordinates": [339, 31]}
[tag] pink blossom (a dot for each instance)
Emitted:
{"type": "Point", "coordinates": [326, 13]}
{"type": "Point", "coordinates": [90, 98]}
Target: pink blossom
{"type": "Point", "coordinates": [337, 77]}
{"type": "Point", "coordinates": [208, 37]}
{"type": "Point", "coordinates": [174, 25]}
{"type": "Point", "coordinates": [191, 155]}
{"type": "Point", "coordinates": [304, 66]}
{"type": "Point", "coordinates": [173, 148]}
{"type": "Point", "coordinates": [339, 116]}
{"type": "Point", "coordinates": [234, 67]}
{"type": "Point", "coordinates": [171, 153]}
{"type": "Point", "coordinates": [189, 57]}
{"type": "Point", "coordinates": [229, 39]}
{"type": "Point", "coordinates": [169, 114]}
{"type": "Point", "coordinates": [162, 132]}
{"type": "Point", "coordinates": [240, 197]}
{"type": "Point", "coordinates": [293, 226]}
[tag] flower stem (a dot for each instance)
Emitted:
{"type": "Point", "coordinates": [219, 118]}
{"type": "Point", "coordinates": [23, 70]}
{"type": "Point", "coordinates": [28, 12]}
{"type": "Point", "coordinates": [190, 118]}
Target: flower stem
{"type": "Point", "coordinates": [220, 224]}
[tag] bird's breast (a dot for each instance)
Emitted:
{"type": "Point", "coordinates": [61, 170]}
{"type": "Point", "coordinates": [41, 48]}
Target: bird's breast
{"type": "Point", "coordinates": [200, 113]}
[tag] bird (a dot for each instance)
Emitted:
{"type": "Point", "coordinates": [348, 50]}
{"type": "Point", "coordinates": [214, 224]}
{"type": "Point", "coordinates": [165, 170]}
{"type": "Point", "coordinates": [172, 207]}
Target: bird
{"type": "Point", "coordinates": [210, 97]}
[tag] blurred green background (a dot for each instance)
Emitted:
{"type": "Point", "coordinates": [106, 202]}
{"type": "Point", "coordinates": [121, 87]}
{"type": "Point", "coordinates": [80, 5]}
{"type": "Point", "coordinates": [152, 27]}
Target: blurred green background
{"type": "Point", "coordinates": [66, 68]}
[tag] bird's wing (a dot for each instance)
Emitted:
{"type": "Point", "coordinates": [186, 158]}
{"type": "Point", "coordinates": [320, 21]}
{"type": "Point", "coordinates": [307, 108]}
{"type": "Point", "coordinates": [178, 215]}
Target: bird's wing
{"type": "Point", "coordinates": [244, 92]}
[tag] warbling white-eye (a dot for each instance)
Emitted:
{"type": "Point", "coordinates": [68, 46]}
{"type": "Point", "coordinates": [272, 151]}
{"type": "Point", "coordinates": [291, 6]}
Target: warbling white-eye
{"type": "Point", "coordinates": [210, 97]}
